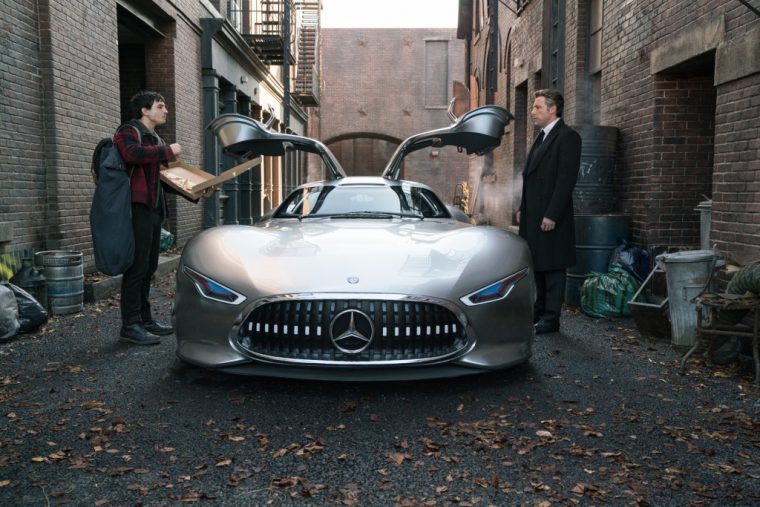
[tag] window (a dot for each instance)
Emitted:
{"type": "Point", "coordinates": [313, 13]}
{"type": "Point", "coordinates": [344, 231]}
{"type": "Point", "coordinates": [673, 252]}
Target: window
{"type": "Point", "coordinates": [595, 36]}
{"type": "Point", "coordinates": [554, 53]}
{"type": "Point", "coordinates": [595, 26]}
{"type": "Point", "coordinates": [235, 14]}
{"type": "Point", "coordinates": [362, 201]}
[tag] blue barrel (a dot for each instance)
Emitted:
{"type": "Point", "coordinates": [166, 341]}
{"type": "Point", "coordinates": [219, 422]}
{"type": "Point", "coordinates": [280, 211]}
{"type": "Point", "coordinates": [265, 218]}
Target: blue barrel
{"type": "Point", "coordinates": [65, 280]}
{"type": "Point", "coordinates": [596, 237]}
{"type": "Point", "coordinates": [594, 191]}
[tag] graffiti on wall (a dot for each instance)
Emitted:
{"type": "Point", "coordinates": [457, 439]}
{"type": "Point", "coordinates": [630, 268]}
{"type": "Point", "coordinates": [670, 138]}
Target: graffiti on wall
{"type": "Point", "coordinates": [9, 264]}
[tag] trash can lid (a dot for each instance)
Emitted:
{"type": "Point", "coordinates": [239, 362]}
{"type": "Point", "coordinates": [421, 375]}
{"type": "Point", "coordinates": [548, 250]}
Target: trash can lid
{"type": "Point", "coordinates": [687, 256]}
{"type": "Point", "coordinates": [704, 206]}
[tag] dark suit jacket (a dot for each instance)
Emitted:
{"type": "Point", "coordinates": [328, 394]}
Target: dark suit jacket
{"type": "Point", "coordinates": [548, 181]}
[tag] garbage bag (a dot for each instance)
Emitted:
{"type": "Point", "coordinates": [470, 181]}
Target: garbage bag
{"type": "Point", "coordinates": [167, 240]}
{"type": "Point", "coordinates": [31, 314]}
{"type": "Point", "coordinates": [9, 324]}
{"type": "Point", "coordinates": [632, 258]}
{"type": "Point", "coordinates": [607, 294]}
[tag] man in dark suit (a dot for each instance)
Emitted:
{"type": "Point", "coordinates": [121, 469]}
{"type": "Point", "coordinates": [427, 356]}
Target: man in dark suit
{"type": "Point", "coordinates": [546, 211]}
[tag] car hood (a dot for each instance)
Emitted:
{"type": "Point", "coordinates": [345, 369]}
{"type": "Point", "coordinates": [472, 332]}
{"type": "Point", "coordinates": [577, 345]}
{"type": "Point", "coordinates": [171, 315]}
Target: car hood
{"type": "Point", "coordinates": [329, 255]}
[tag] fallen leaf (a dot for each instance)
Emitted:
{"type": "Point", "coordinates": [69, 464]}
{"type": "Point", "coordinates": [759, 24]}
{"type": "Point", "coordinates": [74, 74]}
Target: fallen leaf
{"type": "Point", "coordinates": [348, 406]}
{"type": "Point", "coordinates": [397, 457]}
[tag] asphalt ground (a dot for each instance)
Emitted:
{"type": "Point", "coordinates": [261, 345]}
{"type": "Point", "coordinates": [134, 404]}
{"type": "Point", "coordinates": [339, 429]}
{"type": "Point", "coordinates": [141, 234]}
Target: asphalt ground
{"type": "Point", "coordinates": [599, 416]}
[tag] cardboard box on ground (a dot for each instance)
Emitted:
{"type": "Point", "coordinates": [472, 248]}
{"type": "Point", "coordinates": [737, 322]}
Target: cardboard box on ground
{"type": "Point", "coordinates": [191, 181]}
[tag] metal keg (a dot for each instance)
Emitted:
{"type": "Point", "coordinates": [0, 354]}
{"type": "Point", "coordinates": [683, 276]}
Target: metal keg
{"type": "Point", "coordinates": [65, 280]}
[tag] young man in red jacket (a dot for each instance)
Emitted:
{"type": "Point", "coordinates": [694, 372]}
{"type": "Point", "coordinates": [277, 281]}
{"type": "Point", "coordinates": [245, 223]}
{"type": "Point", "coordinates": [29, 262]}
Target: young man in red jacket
{"type": "Point", "coordinates": [144, 151]}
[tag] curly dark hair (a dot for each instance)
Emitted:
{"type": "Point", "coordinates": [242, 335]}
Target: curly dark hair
{"type": "Point", "coordinates": [143, 99]}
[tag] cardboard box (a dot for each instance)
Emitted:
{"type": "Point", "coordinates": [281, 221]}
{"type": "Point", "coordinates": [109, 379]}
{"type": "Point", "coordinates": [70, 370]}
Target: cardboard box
{"type": "Point", "coordinates": [191, 181]}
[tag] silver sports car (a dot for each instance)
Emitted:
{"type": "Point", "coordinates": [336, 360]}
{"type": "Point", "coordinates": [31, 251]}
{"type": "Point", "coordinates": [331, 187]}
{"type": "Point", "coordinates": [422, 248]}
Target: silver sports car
{"type": "Point", "coordinates": [356, 278]}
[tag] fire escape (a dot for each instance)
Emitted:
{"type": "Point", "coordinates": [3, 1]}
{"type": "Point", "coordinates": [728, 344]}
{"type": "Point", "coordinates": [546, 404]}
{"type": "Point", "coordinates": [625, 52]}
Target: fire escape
{"type": "Point", "coordinates": [307, 71]}
{"type": "Point", "coordinates": [283, 33]}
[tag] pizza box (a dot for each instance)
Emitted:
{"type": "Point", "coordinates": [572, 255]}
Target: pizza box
{"type": "Point", "coordinates": [191, 181]}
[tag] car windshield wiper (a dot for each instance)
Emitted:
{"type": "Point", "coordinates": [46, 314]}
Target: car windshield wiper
{"type": "Point", "coordinates": [364, 214]}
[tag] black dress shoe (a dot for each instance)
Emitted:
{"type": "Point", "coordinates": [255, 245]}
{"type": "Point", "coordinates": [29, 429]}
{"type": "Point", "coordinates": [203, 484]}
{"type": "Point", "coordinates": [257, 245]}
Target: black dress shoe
{"type": "Point", "coordinates": [136, 333]}
{"type": "Point", "coordinates": [156, 328]}
{"type": "Point", "coordinates": [547, 326]}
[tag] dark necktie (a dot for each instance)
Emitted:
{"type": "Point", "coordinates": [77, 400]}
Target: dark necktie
{"type": "Point", "coordinates": [536, 144]}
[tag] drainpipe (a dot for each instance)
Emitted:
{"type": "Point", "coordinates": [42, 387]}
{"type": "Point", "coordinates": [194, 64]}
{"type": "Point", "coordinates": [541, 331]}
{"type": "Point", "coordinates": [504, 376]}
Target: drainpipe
{"type": "Point", "coordinates": [286, 65]}
{"type": "Point", "coordinates": [211, 158]}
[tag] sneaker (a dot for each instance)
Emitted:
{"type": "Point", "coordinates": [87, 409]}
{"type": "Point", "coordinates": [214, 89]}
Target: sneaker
{"type": "Point", "coordinates": [136, 333]}
{"type": "Point", "coordinates": [154, 327]}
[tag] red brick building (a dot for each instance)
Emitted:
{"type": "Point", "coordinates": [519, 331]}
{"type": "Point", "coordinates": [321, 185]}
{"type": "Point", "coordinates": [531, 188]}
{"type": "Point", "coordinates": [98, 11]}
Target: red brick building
{"type": "Point", "coordinates": [679, 79]}
{"type": "Point", "coordinates": [380, 86]}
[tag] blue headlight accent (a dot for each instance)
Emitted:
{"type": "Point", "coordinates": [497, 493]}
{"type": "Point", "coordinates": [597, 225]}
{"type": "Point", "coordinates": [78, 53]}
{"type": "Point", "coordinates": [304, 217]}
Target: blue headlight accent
{"type": "Point", "coordinates": [496, 291]}
{"type": "Point", "coordinates": [210, 289]}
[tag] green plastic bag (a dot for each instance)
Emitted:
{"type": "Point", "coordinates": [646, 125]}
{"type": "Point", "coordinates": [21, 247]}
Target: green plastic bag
{"type": "Point", "coordinates": [167, 240]}
{"type": "Point", "coordinates": [607, 294]}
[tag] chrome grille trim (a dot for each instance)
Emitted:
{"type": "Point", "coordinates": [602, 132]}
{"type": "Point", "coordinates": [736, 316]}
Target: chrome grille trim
{"type": "Point", "coordinates": [303, 322]}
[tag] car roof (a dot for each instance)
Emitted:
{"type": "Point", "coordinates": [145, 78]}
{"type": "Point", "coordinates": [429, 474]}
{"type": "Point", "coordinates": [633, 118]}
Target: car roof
{"type": "Point", "coordinates": [364, 181]}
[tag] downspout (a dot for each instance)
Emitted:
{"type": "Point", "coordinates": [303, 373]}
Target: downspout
{"type": "Point", "coordinates": [286, 65]}
{"type": "Point", "coordinates": [210, 79]}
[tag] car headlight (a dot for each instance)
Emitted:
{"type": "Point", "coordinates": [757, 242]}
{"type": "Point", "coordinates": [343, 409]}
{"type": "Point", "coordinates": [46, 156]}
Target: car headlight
{"type": "Point", "coordinates": [210, 289]}
{"type": "Point", "coordinates": [496, 291]}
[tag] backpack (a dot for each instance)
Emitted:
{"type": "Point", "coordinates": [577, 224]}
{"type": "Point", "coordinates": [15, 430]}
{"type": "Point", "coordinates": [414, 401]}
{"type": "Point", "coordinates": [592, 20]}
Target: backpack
{"type": "Point", "coordinates": [111, 211]}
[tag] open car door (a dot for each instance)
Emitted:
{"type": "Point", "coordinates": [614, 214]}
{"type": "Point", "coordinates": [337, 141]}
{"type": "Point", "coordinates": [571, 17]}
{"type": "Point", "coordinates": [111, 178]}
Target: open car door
{"type": "Point", "coordinates": [478, 131]}
{"type": "Point", "coordinates": [244, 137]}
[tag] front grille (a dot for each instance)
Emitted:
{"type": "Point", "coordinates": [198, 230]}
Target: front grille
{"type": "Point", "coordinates": [403, 331]}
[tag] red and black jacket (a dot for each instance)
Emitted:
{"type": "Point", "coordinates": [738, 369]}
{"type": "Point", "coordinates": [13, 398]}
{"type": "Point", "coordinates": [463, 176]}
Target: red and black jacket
{"type": "Point", "coordinates": [143, 153]}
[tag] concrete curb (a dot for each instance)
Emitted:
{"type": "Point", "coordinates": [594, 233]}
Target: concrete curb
{"type": "Point", "coordinates": [110, 286]}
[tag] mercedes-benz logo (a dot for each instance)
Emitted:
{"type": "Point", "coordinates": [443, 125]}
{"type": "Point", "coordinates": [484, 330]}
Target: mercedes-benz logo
{"type": "Point", "coordinates": [351, 331]}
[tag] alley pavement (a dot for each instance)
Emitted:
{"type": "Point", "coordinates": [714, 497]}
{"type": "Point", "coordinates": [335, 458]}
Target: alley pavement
{"type": "Point", "coordinates": [599, 416]}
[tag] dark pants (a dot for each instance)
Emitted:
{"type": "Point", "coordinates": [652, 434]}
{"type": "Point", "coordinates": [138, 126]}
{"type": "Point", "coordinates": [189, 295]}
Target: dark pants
{"type": "Point", "coordinates": [550, 294]}
{"type": "Point", "coordinates": [135, 283]}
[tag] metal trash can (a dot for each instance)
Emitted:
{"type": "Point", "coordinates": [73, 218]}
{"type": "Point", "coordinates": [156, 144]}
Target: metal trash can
{"type": "Point", "coordinates": [686, 273]}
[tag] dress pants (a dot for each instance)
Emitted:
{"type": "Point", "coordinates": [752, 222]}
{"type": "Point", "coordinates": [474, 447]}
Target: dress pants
{"type": "Point", "coordinates": [135, 283]}
{"type": "Point", "coordinates": [550, 294]}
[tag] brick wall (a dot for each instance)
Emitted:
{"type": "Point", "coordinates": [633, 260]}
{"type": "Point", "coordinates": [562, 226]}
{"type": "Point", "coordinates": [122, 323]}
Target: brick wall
{"type": "Point", "coordinates": [681, 135]}
{"type": "Point", "coordinates": [81, 105]}
{"type": "Point", "coordinates": [375, 87]}
{"type": "Point", "coordinates": [61, 92]}
{"type": "Point", "coordinates": [22, 169]}
{"type": "Point", "coordinates": [736, 175]}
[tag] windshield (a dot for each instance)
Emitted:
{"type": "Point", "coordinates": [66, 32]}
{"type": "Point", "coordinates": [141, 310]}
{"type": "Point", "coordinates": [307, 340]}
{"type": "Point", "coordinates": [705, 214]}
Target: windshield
{"type": "Point", "coordinates": [363, 201]}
